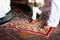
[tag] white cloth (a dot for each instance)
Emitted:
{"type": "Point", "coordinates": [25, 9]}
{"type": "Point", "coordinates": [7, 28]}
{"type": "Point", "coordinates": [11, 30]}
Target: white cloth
{"type": "Point", "coordinates": [36, 9]}
{"type": "Point", "coordinates": [54, 15]}
{"type": "Point", "coordinates": [37, 1]}
{"type": "Point", "coordinates": [4, 7]}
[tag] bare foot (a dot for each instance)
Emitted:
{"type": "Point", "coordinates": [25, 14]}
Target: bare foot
{"type": "Point", "coordinates": [46, 27]}
{"type": "Point", "coordinates": [33, 21]}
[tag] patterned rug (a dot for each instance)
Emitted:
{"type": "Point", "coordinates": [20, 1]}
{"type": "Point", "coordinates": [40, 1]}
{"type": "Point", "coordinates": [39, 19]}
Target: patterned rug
{"type": "Point", "coordinates": [23, 25]}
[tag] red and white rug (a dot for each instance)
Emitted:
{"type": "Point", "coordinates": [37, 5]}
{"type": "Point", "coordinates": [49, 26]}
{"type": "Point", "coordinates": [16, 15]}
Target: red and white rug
{"type": "Point", "coordinates": [23, 25]}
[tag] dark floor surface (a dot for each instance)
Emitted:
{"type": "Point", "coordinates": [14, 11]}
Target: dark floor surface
{"type": "Point", "coordinates": [10, 34]}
